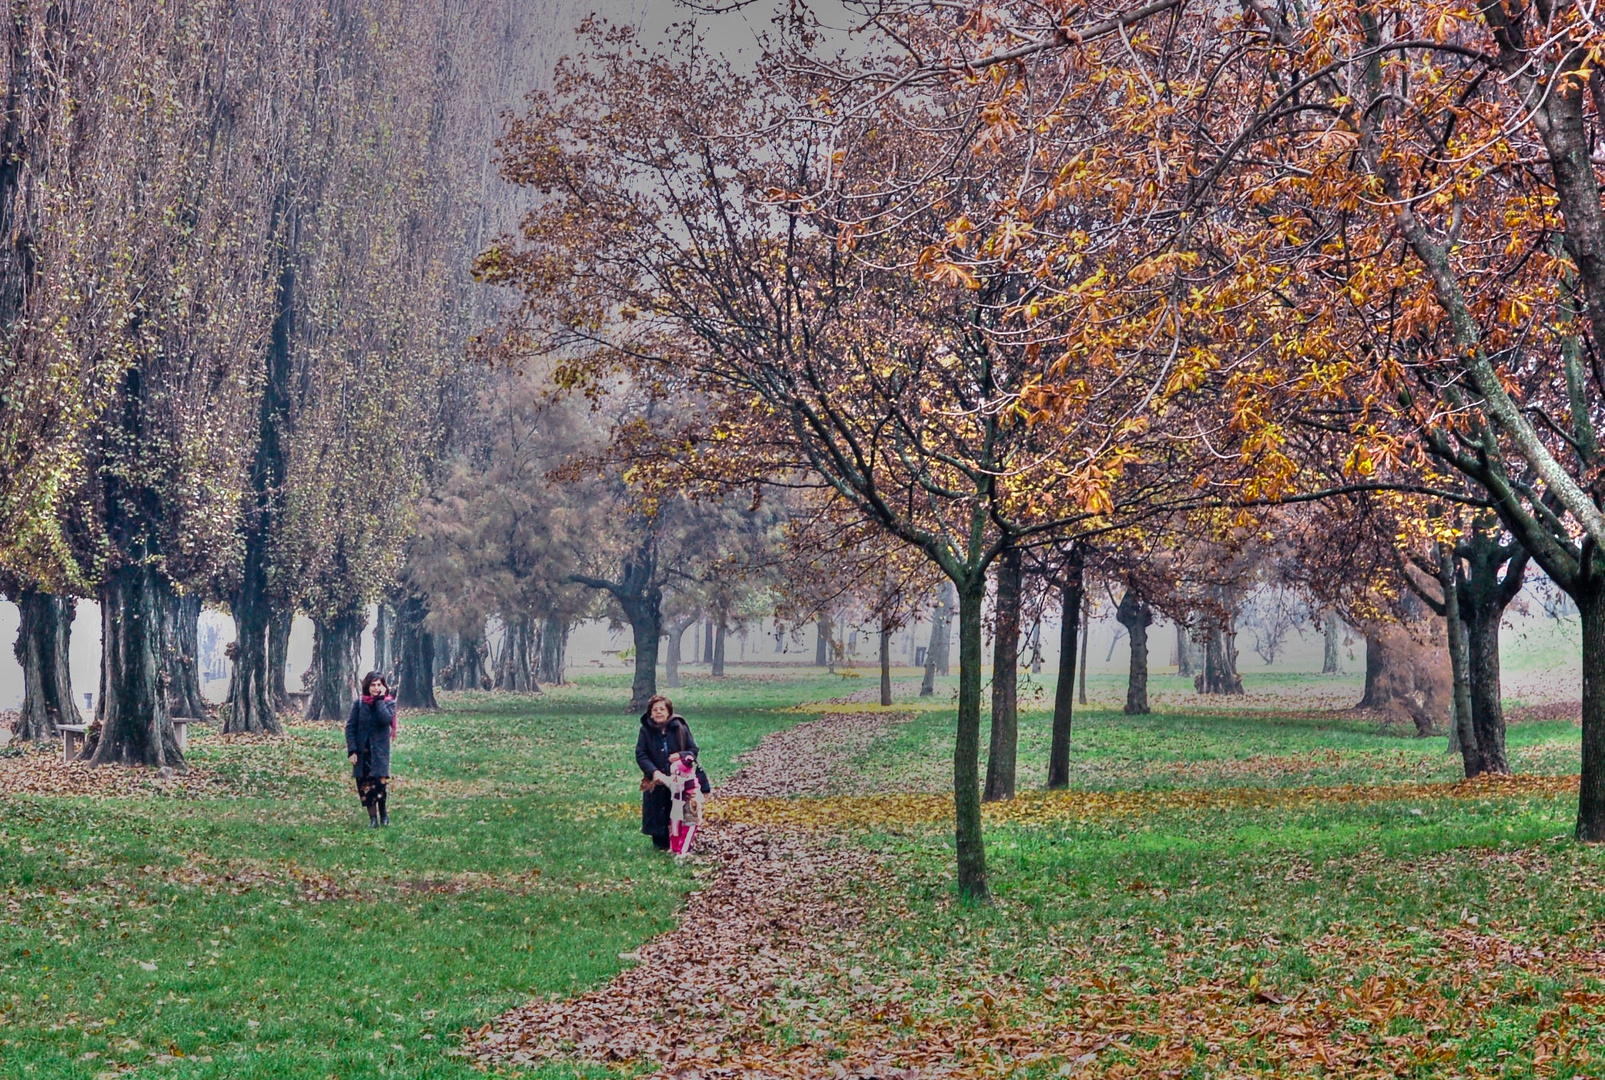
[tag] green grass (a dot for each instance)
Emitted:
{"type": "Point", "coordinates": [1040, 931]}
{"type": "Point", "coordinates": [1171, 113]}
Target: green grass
{"type": "Point", "coordinates": [267, 932]}
{"type": "Point", "coordinates": [1111, 751]}
{"type": "Point", "coordinates": [264, 931]}
{"type": "Point", "coordinates": [1301, 905]}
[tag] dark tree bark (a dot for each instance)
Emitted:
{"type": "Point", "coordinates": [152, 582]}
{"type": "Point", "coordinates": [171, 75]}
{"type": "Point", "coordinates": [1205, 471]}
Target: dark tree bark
{"type": "Point", "coordinates": [415, 656]}
{"type": "Point", "coordinates": [886, 664]}
{"type": "Point", "coordinates": [1004, 747]}
{"type": "Point", "coordinates": [182, 636]}
{"type": "Point", "coordinates": [1220, 653]}
{"type": "Point", "coordinates": [671, 654]}
{"type": "Point", "coordinates": [640, 594]}
{"type": "Point", "coordinates": [1086, 621]}
{"type": "Point", "coordinates": [1462, 731]}
{"type": "Point", "coordinates": [250, 703]}
{"type": "Point", "coordinates": [718, 648]}
{"type": "Point", "coordinates": [554, 649]}
{"type": "Point", "coordinates": [643, 613]}
{"type": "Point", "coordinates": [1135, 615]}
{"type": "Point", "coordinates": [821, 641]}
{"type": "Point", "coordinates": [936, 647]}
{"type": "Point", "coordinates": [1071, 601]}
{"type": "Point", "coordinates": [967, 834]}
{"type": "Point", "coordinates": [133, 724]}
{"type": "Point", "coordinates": [42, 648]}
{"type": "Point", "coordinates": [278, 658]}
{"type": "Point", "coordinates": [1483, 596]}
{"type": "Point", "coordinates": [1332, 633]}
{"type": "Point", "coordinates": [1590, 598]}
{"type": "Point", "coordinates": [1373, 669]}
{"type": "Point", "coordinates": [335, 656]}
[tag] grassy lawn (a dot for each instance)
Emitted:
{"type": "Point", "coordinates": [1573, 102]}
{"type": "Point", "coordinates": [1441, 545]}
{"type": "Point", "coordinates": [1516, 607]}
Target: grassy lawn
{"type": "Point", "coordinates": [267, 932]}
{"type": "Point", "coordinates": [1449, 937]}
{"type": "Point", "coordinates": [1111, 751]}
{"type": "Point", "coordinates": [264, 931]}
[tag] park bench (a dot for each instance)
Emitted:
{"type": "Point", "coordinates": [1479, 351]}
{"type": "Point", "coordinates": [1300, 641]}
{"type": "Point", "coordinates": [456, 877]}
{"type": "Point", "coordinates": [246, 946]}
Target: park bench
{"type": "Point", "coordinates": [72, 739]}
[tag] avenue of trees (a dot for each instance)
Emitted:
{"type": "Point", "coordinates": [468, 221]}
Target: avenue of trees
{"type": "Point", "coordinates": [1134, 286]}
{"type": "Point", "coordinates": [1241, 318]}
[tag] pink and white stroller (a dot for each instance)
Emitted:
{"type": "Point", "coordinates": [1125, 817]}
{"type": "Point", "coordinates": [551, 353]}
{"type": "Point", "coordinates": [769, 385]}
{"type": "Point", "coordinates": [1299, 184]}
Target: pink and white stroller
{"type": "Point", "coordinates": [685, 807]}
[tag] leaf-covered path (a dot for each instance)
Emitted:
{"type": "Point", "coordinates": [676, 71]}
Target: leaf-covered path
{"type": "Point", "coordinates": [760, 933]}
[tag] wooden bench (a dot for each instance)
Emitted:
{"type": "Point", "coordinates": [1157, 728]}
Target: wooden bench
{"type": "Point", "coordinates": [72, 739]}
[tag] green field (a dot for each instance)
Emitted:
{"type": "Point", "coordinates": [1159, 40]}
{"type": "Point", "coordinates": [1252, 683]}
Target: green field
{"type": "Point", "coordinates": [267, 932]}
{"type": "Point", "coordinates": [262, 930]}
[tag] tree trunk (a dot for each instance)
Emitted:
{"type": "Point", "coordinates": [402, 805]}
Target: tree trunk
{"type": "Point", "coordinates": [671, 654]}
{"type": "Point", "coordinates": [1487, 711]}
{"type": "Point", "coordinates": [1135, 615]}
{"type": "Point", "coordinates": [134, 726]}
{"type": "Point", "coordinates": [278, 658]}
{"type": "Point", "coordinates": [1004, 747]}
{"type": "Point", "coordinates": [1332, 631]}
{"type": "Point", "coordinates": [1483, 596]}
{"type": "Point", "coordinates": [1086, 622]}
{"type": "Point", "coordinates": [516, 671]}
{"type": "Point", "coordinates": [1591, 790]}
{"type": "Point", "coordinates": [554, 647]}
{"type": "Point", "coordinates": [384, 632]}
{"type": "Point", "coordinates": [718, 648]}
{"type": "Point", "coordinates": [1462, 731]}
{"type": "Point", "coordinates": [968, 839]}
{"type": "Point", "coordinates": [1186, 665]}
{"type": "Point", "coordinates": [886, 664]}
{"type": "Point", "coordinates": [182, 637]}
{"type": "Point", "coordinates": [250, 703]}
{"type": "Point", "coordinates": [415, 657]}
{"type": "Point", "coordinates": [42, 648]}
{"type": "Point", "coordinates": [335, 655]}
{"type": "Point", "coordinates": [249, 708]}
{"type": "Point", "coordinates": [1064, 691]}
{"type": "Point", "coordinates": [1373, 669]}
{"type": "Point", "coordinates": [1220, 661]}
{"type": "Point", "coordinates": [936, 648]}
{"type": "Point", "coordinates": [645, 614]}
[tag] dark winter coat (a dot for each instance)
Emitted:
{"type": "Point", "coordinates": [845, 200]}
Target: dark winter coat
{"type": "Point", "coordinates": [652, 749]}
{"type": "Point", "coordinates": [368, 736]}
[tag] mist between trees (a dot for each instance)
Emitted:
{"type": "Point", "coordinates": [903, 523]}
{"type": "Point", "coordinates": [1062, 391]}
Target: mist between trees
{"type": "Point", "coordinates": [1225, 323]}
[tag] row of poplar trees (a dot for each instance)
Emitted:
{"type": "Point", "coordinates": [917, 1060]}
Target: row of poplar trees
{"type": "Point", "coordinates": [234, 300]}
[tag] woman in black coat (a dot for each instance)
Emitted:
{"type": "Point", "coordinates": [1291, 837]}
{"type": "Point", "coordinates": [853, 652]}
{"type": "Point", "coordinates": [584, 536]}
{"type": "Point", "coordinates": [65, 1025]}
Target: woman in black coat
{"type": "Point", "coordinates": [369, 729]}
{"type": "Point", "coordinates": [662, 733]}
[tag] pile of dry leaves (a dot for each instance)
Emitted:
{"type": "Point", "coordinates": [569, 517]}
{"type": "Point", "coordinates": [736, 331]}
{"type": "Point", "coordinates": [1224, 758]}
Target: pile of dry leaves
{"type": "Point", "coordinates": [35, 769]}
{"type": "Point", "coordinates": [808, 759]}
{"type": "Point", "coordinates": [773, 906]}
